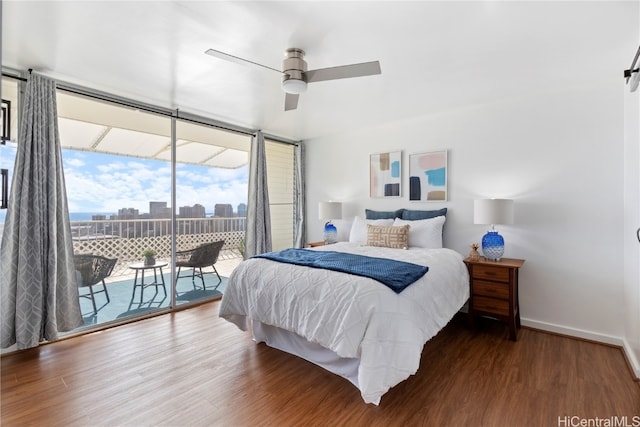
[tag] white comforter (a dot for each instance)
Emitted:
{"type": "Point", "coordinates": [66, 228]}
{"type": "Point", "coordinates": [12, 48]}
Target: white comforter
{"type": "Point", "coordinates": [354, 316]}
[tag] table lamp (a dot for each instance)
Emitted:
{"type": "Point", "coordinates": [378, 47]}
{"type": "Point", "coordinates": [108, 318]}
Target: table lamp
{"type": "Point", "coordinates": [328, 211]}
{"type": "Point", "coordinates": [493, 211]}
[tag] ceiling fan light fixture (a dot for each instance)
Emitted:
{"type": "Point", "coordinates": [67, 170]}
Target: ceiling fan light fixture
{"type": "Point", "coordinates": [294, 86]}
{"type": "Point", "coordinates": [296, 76]}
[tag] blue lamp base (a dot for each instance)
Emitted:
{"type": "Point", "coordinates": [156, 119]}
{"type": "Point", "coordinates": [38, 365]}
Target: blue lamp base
{"type": "Point", "coordinates": [330, 233]}
{"type": "Point", "coordinates": [492, 246]}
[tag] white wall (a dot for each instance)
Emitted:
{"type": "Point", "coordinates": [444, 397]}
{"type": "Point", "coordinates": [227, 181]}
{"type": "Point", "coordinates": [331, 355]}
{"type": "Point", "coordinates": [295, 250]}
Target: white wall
{"type": "Point", "coordinates": [558, 154]}
{"type": "Point", "coordinates": [631, 224]}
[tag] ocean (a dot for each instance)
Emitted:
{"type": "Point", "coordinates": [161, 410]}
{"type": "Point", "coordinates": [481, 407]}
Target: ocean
{"type": "Point", "coordinates": [73, 216]}
{"type": "Point", "coordinates": [78, 216]}
{"type": "Point", "coordinates": [86, 216]}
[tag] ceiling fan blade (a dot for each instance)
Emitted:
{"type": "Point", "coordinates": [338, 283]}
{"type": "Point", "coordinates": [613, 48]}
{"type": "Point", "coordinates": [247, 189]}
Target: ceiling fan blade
{"type": "Point", "coordinates": [290, 101]}
{"type": "Point", "coordinates": [344, 72]}
{"type": "Point", "coordinates": [227, 57]}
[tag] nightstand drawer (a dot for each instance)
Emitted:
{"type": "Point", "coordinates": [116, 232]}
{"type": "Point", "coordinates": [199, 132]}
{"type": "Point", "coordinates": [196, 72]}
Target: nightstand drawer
{"type": "Point", "coordinates": [494, 291]}
{"type": "Point", "coordinates": [491, 289]}
{"type": "Point", "coordinates": [489, 272]}
{"type": "Point", "coordinates": [491, 305]}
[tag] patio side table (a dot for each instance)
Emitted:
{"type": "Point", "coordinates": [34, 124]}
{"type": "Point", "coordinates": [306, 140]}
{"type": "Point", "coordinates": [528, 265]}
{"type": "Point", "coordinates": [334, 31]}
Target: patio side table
{"type": "Point", "coordinates": [141, 267]}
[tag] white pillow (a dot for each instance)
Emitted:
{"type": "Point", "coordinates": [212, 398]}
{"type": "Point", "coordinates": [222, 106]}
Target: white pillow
{"type": "Point", "coordinates": [358, 232]}
{"type": "Point", "coordinates": [424, 233]}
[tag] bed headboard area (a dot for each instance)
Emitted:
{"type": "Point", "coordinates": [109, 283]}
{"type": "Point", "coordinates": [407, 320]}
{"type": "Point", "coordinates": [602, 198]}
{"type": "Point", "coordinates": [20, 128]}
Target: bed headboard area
{"type": "Point", "coordinates": [406, 214]}
{"type": "Point", "coordinates": [425, 227]}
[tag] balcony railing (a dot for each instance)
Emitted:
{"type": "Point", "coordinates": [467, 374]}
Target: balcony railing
{"type": "Point", "coordinates": [126, 239]}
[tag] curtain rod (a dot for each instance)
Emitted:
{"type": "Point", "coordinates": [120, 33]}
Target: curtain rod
{"type": "Point", "coordinates": [102, 96]}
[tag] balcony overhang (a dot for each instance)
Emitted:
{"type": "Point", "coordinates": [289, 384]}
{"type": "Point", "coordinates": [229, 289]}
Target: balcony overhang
{"type": "Point", "coordinates": [113, 129]}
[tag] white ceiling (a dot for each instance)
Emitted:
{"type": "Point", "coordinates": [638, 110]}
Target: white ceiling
{"type": "Point", "coordinates": [435, 56]}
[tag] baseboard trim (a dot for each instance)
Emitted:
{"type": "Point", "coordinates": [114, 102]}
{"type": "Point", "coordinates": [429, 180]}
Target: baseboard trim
{"type": "Point", "coordinates": [578, 333]}
{"type": "Point", "coordinates": [633, 362]}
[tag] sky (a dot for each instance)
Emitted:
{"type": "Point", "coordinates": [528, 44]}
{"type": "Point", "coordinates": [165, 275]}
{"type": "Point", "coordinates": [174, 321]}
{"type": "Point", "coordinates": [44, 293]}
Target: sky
{"type": "Point", "coordinates": [102, 183]}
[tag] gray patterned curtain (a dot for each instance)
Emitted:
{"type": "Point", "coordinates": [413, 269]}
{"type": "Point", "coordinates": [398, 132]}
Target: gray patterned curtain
{"type": "Point", "coordinates": [258, 235]}
{"type": "Point", "coordinates": [39, 293]}
{"type": "Point", "coordinates": [300, 199]}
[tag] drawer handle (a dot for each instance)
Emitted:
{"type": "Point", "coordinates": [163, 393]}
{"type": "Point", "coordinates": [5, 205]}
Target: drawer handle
{"type": "Point", "coordinates": [490, 273]}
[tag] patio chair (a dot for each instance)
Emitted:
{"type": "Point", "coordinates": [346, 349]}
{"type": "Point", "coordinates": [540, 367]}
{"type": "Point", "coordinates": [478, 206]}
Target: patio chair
{"type": "Point", "coordinates": [91, 270]}
{"type": "Point", "coordinates": [205, 255]}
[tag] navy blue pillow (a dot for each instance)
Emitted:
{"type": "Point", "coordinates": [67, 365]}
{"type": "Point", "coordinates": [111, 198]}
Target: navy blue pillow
{"type": "Point", "coordinates": [369, 214]}
{"type": "Point", "coordinates": [415, 215]}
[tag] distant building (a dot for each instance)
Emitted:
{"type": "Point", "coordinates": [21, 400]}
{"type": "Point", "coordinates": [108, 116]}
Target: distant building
{"type": "Point", "coordinates": [159, 210]}
{"type": "Point", "coordinates": [163, 213]}
{"type": "Point", "coordinates": [223, 210]}
{"type": "Point", "coordinates": [195, 211]}
{"type": "Point", "coordinates": [155, 208]}
{"type": "Point", "coordinates": [242, 210]}
{"type": "Point", "coordinates": [129, 222]}
{"type": "Point", "coordinates": [128, 213]}
{"type": "Point", "coordinates": [99, 228]}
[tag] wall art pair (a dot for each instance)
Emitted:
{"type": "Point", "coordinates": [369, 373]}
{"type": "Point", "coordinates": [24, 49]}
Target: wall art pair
{"type": "Point", "coordinates": [427, 176]}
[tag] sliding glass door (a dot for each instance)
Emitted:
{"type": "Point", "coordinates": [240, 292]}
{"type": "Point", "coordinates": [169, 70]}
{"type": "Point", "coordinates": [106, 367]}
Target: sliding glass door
{"type": "Point", "coordinates": [116, 179]}
{"type": "Point", "coordinates": [119, 173]}
{"type": "Point", "coordinates": [211, 199]}
{"type": "Point", "coordinates": [157, 203]}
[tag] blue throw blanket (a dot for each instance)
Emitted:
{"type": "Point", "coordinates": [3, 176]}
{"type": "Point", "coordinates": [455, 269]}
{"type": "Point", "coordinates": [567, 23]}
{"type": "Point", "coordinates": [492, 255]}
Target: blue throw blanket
{"type": "Point", "coordinates": [397, 275]}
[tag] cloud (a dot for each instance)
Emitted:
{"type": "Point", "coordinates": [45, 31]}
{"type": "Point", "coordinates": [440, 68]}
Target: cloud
{"type": "Point", "coordinates": [75, 162]}
{"type": "Point", "coordinates": [102, 183]}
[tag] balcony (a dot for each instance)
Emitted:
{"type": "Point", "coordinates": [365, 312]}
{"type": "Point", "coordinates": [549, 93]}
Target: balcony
{"type": "Point", "coordinates": [126, 239]}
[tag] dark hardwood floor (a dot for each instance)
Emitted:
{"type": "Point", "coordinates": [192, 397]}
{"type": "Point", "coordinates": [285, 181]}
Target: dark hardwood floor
{"type": "Point", "coordinates": [193, 369]}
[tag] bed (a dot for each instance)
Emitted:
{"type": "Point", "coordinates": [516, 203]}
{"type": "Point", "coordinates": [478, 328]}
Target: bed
{"type": "Point", "coordinates": [351, 325]}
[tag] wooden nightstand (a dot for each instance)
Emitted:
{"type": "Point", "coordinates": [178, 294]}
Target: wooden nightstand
{"type": "Point", "coordinates": [493, 289]}
{"type": "Point", "coordinates": [314, 244]}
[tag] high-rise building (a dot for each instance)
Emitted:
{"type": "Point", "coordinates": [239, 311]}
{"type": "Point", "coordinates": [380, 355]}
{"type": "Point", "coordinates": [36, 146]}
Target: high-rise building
{"type": "Point", "coordinates": [162, 213]}
{"type": "Point", "coordinates": [195, 211]}
{"type": "Point", "coordinates": [128, 213]}
{"type": "Point", "coordinates": [155, 208]}
{"type": "Point", "coordinates": [223, 210]}
{"type": "Point", "coordinates": [242, 210]}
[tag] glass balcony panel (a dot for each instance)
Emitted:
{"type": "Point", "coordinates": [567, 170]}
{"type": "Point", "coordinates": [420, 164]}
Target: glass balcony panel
{"type": "Point", "coordinates": [211, 198]}
{"type": "Point", "coordinates": [111, 175]}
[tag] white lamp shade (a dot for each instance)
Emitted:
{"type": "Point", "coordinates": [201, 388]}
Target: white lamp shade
{"type": "Point", "coordinates": [330, 210]}
{"type": "Point", "coordinates": [493, 211]}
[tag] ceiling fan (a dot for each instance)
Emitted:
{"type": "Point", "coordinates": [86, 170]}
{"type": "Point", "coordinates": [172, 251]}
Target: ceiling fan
{"type": "Point", "coordinates": [295, 75]}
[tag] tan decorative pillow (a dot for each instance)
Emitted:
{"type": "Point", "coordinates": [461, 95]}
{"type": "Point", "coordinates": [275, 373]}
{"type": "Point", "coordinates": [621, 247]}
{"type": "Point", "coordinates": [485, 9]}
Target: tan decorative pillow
{"type": "Point", "coordinates": [388, 236]}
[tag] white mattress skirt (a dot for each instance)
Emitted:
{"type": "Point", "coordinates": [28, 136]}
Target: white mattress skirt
{"type": "Point", "coordinates": [313, 352]}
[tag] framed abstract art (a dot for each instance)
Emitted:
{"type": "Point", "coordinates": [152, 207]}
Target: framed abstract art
{"type": "Point", "coordinates": [385, 174]}
{"type": "Point", "coordinates": [428, 177]}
